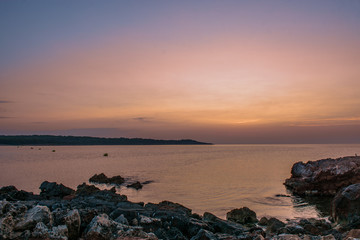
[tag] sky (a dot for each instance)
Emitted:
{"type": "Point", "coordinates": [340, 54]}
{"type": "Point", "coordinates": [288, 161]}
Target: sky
{"type": "Point", "coordinates": [216, 71]}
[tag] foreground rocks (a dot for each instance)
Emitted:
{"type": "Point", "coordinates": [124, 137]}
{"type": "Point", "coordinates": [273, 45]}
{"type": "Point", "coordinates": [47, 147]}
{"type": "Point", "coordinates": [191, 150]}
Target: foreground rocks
{"type": "Point", "coordinates": [93, 214]}
{"type": "Point", "coordinates": [323, 177]}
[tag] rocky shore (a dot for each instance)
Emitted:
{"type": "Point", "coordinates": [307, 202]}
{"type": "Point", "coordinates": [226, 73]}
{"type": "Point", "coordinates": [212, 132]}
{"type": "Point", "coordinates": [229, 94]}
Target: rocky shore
{"type": "Point", "coordinates": [89, 213]}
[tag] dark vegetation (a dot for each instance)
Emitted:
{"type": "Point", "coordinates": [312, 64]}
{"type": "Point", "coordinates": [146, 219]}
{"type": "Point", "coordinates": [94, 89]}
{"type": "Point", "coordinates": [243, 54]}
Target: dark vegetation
{"type": "Point", "coordinates": [43, 140]}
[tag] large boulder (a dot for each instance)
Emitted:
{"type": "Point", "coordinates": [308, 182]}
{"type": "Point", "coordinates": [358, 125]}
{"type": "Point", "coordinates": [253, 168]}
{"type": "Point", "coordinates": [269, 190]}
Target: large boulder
{"type": "Point", "coordinates": [54, 190]}
{"type": "Point", "coordinates": [346, 205]}
{"type": "Point", "coordinates": [242, 215]}
{"type": "Point", "coordinates": [33, 216]}
{"type": "Point", "coordinates": [323, 177]}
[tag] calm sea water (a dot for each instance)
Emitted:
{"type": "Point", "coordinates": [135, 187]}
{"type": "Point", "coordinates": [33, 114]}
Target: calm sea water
{"type": "Point", "coordinates": [214, 178]}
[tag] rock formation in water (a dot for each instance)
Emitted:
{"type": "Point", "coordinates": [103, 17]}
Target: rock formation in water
{"type": "Point", "coordinates": [323, 177]}
{"type": "Point", "coordinates": [93, 214]}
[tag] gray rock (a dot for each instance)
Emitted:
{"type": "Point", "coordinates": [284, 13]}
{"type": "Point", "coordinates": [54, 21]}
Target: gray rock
{"type": "Point", "coordinates": [204, 235]}
{"type": "Point", "coordinates": [274, 225]}
{"type": "Point", "coordinates": [102, 227]}
{"type": "Point", "coordinates": [121, 219]}
{"type": "Point", "coordinates": [346, 204]}
{"type": "Point", "coordinates": [324, 177]}
{"type": "Point", "coordinates": [243, 216]}
{"type": "Point", "coordinates": [59, 233]}
{"type": "Point", "coordinates": [73, 223]}
{"type": "Point", "coordinates": [222, 226]}
{"type": "Point", "coordinates": [40, 231]}
{"type": "Point", "coordinates": [33, 216]}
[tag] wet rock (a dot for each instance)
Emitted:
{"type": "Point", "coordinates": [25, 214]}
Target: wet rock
{"type": "Point", "coordinates": [204, 235]}
{"type": "Point", "coordinates": [195, 225]}
{"type": "Point", "coordinates": [73, 223]}
{"type": "Point", "coordinates": [136, 185]}
{"type": "Point", "coordinates": [323, 177]}
{"type": "Point", "coordinates": [86, 190]}
{"type": "Point", "coordinates": [263, 221]}
{"type": "Point", "coordinates": [11, 193]}
{"type": "Point", "coordinates": [243, 216]}
{"type": "Point", "coordinates": [170, 207]}
{"type": "Point", "coordinates": [274, 225]}
{"type": "Point", "coordinates": [346, 205]}
{"type": "Point", "coordinates": [54, 190]}
{"type": "Point", "coordinates": [33, 216]}
{"type": "Point", "coordinates": [223, 226]}
{"type": "Point", "coordinates": [102, 178]}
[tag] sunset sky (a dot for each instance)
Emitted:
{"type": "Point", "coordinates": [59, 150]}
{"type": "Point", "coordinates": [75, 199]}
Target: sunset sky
{"type": "Point", "coordinates": [216, 71]}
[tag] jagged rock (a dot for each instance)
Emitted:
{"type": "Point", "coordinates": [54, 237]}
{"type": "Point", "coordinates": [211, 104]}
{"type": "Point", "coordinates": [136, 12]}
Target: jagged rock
{"type": "Point", "coordinates": [243, 216]}
{"type": "Point", "coordinates": [40, 231]}
{"type": "Point", "coordinates": [52, 189]}
{"type": "Point", "coordinates": [11, 193]}
{"type": "Point", "coordinates": [59, 233]}
{"type": "Point", "coordinates": [204, 235]}
{"type": "Point", "coordinates": [136, 185]}
{"type": "Point", "coordinates": [102, 227]}
{"type": "Point", "coordinates": [33, 216]}
{"type": "Point", "coordinates": [172, 233]}
{"type": "Point", "coordinates": [274, 225]}
{"type": "Point", "coordinates": [222, 226]}
{"type": "Point", "coordinates": [86, 190]}
{"type": "Point", "coordinates": [323, 177]}
{"type": "Point", "coordinates": [170, 207]}
{"type": "Point", "coordinates": [346, 205]}
{"type": "Point", "coordinates": [73, 223]}
{"type": "Point", "coordinates": [121, 219]}
{"type": "Point", "coordinates": [102, 178]}
{"type": "Point", "coordinates": [149, 224]}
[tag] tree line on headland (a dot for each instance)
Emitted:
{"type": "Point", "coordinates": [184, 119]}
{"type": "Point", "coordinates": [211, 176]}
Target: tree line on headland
{"type": "Point", "coordinates": [42, 140]}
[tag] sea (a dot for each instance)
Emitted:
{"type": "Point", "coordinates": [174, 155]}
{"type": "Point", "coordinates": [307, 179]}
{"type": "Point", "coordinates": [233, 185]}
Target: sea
{"type": "Point", "coordinates": [205, 178]}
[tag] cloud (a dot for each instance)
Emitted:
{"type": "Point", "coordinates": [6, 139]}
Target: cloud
{"type": "Point", "coordinates": [5, 101]}
{"type": "Point", "coordinates": [5, 117]}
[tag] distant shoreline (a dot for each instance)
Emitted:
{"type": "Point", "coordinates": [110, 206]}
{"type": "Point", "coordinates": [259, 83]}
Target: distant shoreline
{"type": "Point", "coordinates": [52, 140]}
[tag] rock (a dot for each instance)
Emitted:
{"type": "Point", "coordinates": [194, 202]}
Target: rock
{"type": "Point", "coordinates": [286, 237]}
{"type": "Point", "coordinates": [102, 227]}
{"type": "Point", "coordinates": [204, 235]}
{"type": "Point", "coordinates": [121, 219]}
{"type": "Point", "coordinates": [353, 233]}
{"type": "Point", "coordinates": [170, 207]}
{"type": "Point", "coordinates": [323, 177]}
{"type": "Point", "coordinates": [328, 237]}
{"type": "Point", "coordinates": [149, 224]}
{"type": "Point", "coordinates": [33, 216]}
{"type": "Point", "coordinates": [102, 178]}
{"type": "Point", "coordinates": [243, 216]}
{"type": "Point", "coordinates": [86, 190]}
{"type": "Point", "coordinates": [136, 185]}
{"type": "Point", "coordinates": [274, 225]}
{"type": "Point", "coordinates": [73, 223]}
{"type": "Point", "coordinates": [172, 233]}
{"type": "Point", "coordinates": [54, 190]}
{"type": "Point", "coordinates": [11, 193]}
{"type": "Point", "coordinates": [223, 226]}
{"type": "Point", "coordinates": [59, 233]}
{"type": "Point", "coordinates": [263, 221]}
{"type": "Point", "coordinates": [40, 231]}
{"type": "Point", "coordinates": [346, 204]}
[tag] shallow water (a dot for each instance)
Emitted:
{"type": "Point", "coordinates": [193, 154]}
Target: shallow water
{"type": "Point", "coordinates": [213, 178]}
